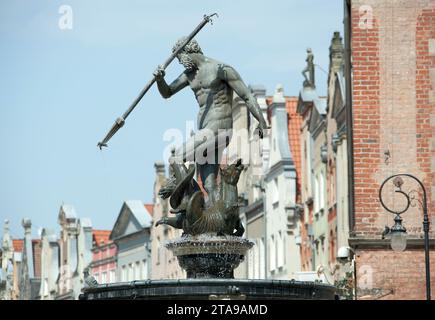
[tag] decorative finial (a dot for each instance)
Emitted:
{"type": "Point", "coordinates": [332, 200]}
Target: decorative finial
{"type": "Point", "coordinates": [398, 182]}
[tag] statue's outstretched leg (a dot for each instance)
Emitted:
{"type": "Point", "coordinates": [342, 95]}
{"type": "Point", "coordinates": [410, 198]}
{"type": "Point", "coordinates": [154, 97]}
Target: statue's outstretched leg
{"type": "Point", "coordinates": [176, 222]}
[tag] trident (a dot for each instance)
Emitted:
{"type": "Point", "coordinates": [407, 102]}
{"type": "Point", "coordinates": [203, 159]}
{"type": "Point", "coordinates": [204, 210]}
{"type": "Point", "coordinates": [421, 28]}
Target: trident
{"type": "Point", "coordinates": [119, 122]}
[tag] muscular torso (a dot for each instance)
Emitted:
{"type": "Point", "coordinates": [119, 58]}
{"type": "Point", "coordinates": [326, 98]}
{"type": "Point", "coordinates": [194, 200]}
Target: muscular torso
{"type": "Point", "coordinates": [213, 94]}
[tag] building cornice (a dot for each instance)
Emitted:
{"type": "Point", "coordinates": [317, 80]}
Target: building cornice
{"type": "Point", "coordinates": [129, 236]}
{"type": "Point", "coordinates": [110, 245]}
{"type": "Point", "coordinates": [367, 243]}
{"type": "Point", "coordinates": [103, 261]}
{"type": "Point", "coordinates": [285, 164]}
{"type": "Point", "coordinates": [254, 210]}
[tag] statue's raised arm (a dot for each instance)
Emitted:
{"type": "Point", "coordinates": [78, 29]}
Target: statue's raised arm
{"type": "Point", "coordinates": [234, 80]}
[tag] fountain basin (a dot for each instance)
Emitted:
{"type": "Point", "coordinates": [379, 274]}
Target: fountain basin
{"type": "Point", "coordinates": [211, 289]}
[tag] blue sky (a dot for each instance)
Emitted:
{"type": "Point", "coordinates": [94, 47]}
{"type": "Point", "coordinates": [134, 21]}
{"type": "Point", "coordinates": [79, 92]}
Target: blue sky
{"type": "Point", "coordinates": [61, 90]}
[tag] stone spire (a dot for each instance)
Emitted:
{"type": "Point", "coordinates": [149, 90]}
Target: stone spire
{"type": "Point", "coordinates": [27, 225]}
{"type": "Point", "coordinates": [336, 52]}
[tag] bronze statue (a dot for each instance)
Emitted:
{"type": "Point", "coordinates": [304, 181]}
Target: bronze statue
{"type": "Point", "coordinates": [213, 84]}
{"type": "Point", "coordinates": [212, 245]}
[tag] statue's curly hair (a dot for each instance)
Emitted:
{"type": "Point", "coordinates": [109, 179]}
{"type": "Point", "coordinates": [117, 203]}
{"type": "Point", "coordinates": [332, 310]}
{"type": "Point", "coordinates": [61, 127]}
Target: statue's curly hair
{"type": "Point", "coordinates": [191, 47]}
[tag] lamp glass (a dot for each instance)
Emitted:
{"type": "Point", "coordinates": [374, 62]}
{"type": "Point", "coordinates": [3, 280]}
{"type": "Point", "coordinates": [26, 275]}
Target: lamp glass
{"type": "Point", "coordinates": [398, 241]}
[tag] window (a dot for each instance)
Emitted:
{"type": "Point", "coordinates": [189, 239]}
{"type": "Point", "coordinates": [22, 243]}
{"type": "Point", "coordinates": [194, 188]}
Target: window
{"type": "Point", "coordinates": [130, 272]}
{"type": "Point", "coordinates": [144, 269]}
{"type": "Point", "coordinates": [262, 259]}
{"type": "Point", "coordinates": [280, 250]}
{"type": "Point", "coordinates": [275, 190]}
{"type": "Point", "coordinates": [97, 277]}
{"type": "Point", "coordinates": [322, 190]}
{"type": "Point", "coordinates": [256, 259]}
{"type": "Point", "coordinates": [272, 253]}
{"type": "Point", "coordinates": [124, 273]}
{"type": "Point", "coordinates": [112, 276]}
{"type": "Point", "coordinates": [316, 194]}
{"type": "Point", "coordinates": [104, 277]}
{"type": "Point", "coordinates": [136, 271]}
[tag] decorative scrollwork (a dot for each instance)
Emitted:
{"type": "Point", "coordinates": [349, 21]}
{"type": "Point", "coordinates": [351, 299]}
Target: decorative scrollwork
{"type": "Point", "coordinates": [412, 197]}
{"type": "Point", "coordinates": [398, 184]}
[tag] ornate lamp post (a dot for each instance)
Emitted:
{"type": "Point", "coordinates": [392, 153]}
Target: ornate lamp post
{"type": "Point", "coordinates": [398, 231]}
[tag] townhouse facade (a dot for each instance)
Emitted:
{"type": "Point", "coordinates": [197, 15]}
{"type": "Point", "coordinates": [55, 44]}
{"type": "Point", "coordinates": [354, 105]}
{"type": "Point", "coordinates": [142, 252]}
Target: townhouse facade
{"type": "Point", "coordinates": [104, 257]}
{"type": "Point", "coordinates": [131, 234]}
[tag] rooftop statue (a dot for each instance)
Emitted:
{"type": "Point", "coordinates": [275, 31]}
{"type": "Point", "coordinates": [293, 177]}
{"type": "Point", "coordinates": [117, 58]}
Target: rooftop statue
{"type": "Point", "coordinates": [309, 70]}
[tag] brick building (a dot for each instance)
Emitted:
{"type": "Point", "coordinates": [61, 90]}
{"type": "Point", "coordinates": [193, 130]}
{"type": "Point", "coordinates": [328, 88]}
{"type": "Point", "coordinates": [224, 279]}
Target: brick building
{"type": "Point", "coordinates": [390, 46]}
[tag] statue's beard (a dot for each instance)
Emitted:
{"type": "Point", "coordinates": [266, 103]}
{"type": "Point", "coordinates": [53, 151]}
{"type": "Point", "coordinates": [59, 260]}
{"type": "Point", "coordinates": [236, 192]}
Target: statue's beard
{"type": "Point", "coordinates": [187, 63]}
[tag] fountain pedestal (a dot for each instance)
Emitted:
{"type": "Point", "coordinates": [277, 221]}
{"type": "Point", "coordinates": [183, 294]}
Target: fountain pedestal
{"type": "Point", "coordinates": [208, 255]}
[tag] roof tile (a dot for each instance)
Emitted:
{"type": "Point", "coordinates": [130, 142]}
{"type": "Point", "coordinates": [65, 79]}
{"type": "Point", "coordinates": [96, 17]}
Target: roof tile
{"type": "Point", "coordinates": [18, 245]}
{"type": "Point", "coordinates": [100, 237]}
{"type": "Point", "coordinates": [294, 126]}
{"type": "Point", "coordinates": [150, 208]}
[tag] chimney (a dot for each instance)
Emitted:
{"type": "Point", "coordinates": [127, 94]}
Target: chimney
{"type": "Point", "coordinates": [259, 91]}
{"type": "Point", "coordinates": [278, 97]}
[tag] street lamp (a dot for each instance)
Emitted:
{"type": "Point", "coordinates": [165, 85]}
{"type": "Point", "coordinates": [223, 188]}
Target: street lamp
{"type": "Point", "coordinates": [398, 231]}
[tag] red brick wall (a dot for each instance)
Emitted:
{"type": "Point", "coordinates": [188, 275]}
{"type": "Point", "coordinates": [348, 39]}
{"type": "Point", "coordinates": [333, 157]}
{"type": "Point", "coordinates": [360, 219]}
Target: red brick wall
{"type": "Point", "coordinates": [394, 132]}
{"type": "Point", "coordinates": [399, 275]}
{"type": "Point", "coordinates": [424, 87]}
{"type": "Point", "coordinates": [365, 58]}
{"type": "Point", "coordinates": [392, 104]}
